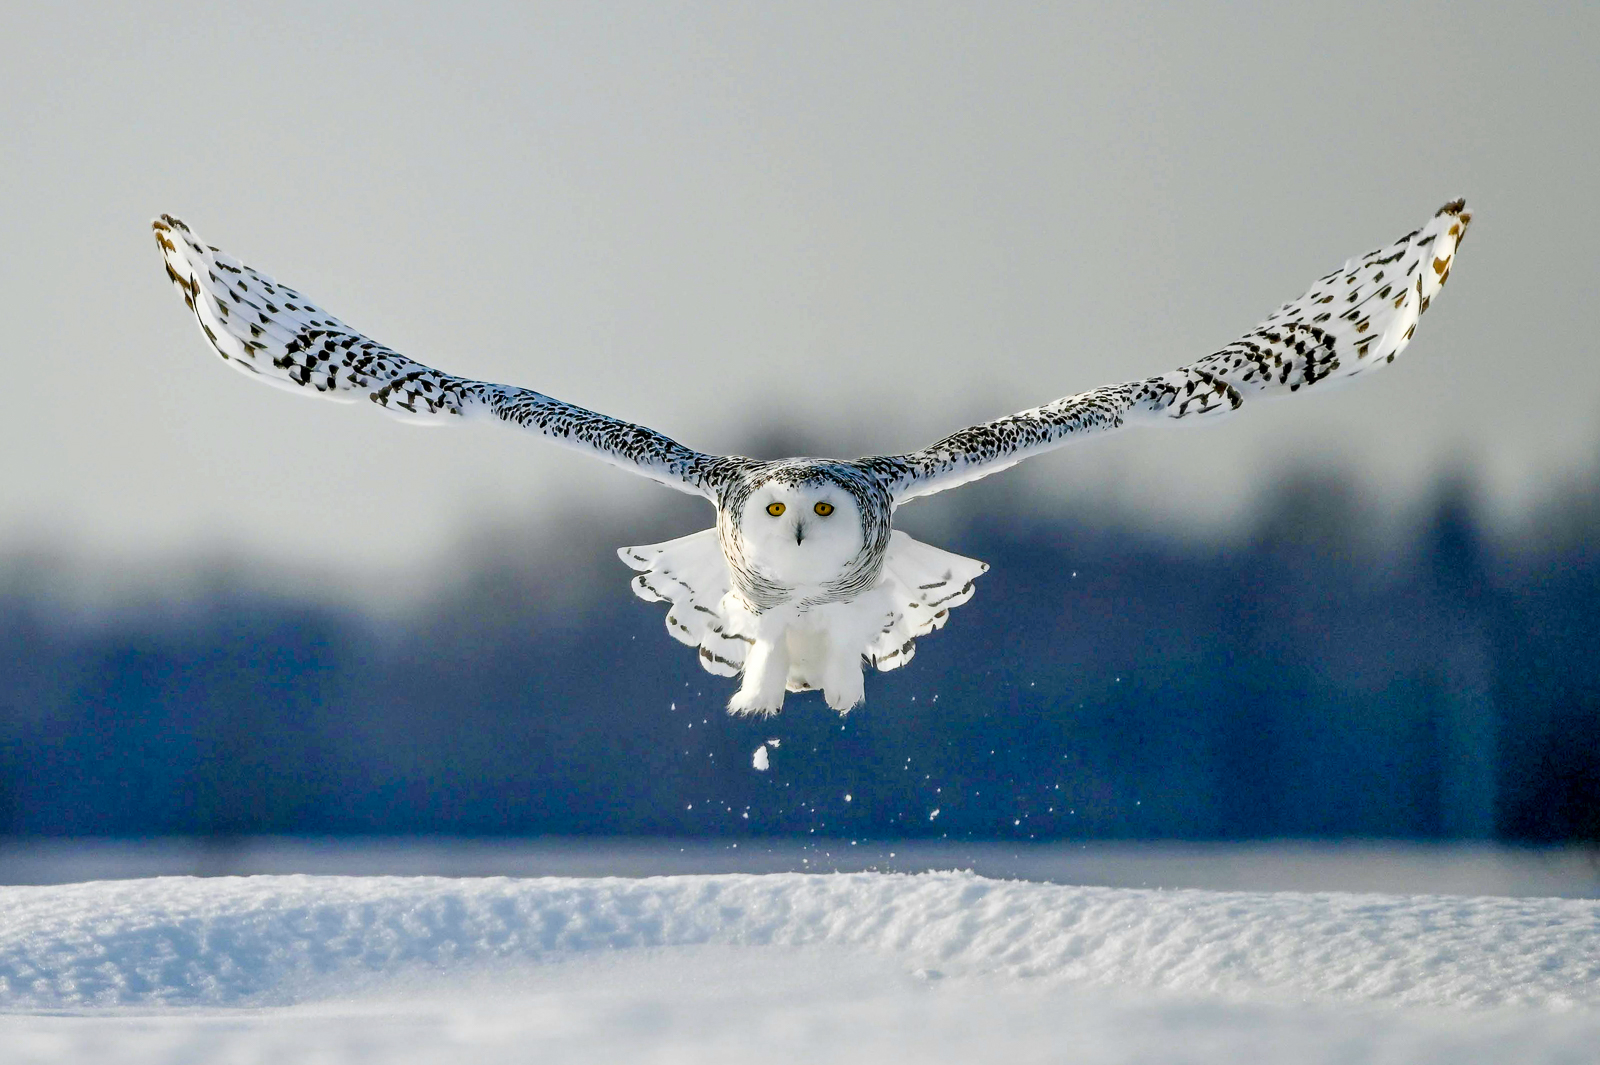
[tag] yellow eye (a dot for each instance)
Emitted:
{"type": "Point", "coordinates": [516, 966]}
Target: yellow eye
{"type": "Point", "coordinates": [824, 509]}
{"type": "Point", "coordinates": [775, 509]}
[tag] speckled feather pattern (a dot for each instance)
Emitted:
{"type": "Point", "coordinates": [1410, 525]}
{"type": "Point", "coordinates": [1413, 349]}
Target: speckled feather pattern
{"type": "Point", "coordinates": [263, 328]}
{"type": "Point", "coordinates": [1355, 319]}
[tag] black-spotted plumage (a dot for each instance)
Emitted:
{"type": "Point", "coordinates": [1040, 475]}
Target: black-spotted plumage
{"type": "Point", "coordinates": [750, 606]}
{"type": "Point", "coordinates": [1357, 318]}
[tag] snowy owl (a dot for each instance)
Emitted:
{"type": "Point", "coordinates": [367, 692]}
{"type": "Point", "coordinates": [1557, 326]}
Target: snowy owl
{"type": "Point", "coordinates": [804, 579]}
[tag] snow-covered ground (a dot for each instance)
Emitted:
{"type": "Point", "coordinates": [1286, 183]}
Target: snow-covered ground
{"type": "Point", "coordinates": [1385, 867]}
{"type": "Point", "coordinates": [785, 967]}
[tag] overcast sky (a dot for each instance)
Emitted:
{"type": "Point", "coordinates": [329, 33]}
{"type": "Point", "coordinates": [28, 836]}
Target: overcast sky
{"type": "Point", "coordinates": [865, 223]}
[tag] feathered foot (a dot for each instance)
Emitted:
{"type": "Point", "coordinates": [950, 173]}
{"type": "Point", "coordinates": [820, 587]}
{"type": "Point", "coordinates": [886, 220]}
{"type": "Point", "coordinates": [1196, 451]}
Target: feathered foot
{"type": "Point", "coordinates": [766, 668]}
{"type": "Point", "coordinates": [844, 688]}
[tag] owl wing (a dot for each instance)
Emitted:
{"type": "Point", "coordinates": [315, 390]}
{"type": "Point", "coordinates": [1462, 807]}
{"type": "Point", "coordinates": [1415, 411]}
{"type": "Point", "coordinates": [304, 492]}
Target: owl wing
{"type": "Point", "coordinates": [275, 334]}
{"type": "Point", "coordinates": [1355, 319]}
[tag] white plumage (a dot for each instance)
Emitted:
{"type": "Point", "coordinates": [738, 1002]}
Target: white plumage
{"type": "Point", "coordinates": [803, 577]}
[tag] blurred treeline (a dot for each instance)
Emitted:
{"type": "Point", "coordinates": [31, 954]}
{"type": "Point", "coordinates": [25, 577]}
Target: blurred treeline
{"type": "Point", "coordinates": [1315, 678]}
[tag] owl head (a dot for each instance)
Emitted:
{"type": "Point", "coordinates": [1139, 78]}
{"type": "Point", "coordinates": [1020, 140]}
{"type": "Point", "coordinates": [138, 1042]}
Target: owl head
{"type": "Point", "coordinates": [801, 530]}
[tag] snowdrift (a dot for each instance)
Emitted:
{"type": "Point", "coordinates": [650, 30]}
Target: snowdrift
{"type": "Point", "coordinates": [284, 940]}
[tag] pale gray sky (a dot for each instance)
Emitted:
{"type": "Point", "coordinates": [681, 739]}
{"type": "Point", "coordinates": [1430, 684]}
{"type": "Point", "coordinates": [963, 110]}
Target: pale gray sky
{"type": "Point", "coordinates": [871, 222]}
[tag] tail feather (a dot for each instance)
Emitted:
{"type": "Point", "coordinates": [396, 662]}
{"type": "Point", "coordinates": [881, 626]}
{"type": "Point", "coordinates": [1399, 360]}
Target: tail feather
{"type": "Point", "coordinates": [926, 583]}
{"type": "Point", "coordinates": [691, 573]}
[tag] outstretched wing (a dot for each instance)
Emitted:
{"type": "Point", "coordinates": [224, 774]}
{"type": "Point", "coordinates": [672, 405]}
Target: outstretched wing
{"type": "Point", "coordinates": [1357, 318]}
{"type": "Point", "coordinates": [270, 331]}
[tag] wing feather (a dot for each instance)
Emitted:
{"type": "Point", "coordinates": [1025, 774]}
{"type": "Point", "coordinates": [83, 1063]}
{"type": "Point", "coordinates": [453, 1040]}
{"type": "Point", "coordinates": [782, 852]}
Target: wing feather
{"type": "Point", "coordinates": [1356, 319]}
{"type": "Point", "coordinates": [271, 332]}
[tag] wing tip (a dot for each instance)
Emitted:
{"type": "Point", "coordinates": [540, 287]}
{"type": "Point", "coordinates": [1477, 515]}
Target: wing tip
{"type": "Point", "coordinates": [1457, 208]}
{"type": "Point", "coordinates": [172, 233]}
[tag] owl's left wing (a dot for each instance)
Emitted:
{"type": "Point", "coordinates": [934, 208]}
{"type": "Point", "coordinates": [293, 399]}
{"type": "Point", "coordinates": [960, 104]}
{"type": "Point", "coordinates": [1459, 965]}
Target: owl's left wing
{"type": "Point", "coordinates": [1357, 318]}
{"type": "Point", "coordinates": [277, 336]}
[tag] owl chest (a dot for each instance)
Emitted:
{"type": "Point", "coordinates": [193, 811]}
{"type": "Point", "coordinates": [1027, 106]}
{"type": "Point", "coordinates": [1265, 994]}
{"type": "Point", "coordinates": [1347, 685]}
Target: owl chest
{"type": "Point", "coordinates": [770, 575]}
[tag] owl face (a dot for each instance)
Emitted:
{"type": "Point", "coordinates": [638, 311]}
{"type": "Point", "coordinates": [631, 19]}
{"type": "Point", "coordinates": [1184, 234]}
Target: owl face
{"type": "Point", "coordinates": [801, 534]}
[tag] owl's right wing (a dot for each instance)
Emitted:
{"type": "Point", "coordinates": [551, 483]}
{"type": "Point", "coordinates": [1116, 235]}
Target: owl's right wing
{"type": "Point", "coordinates": [275, 334]}
{"type": "Point", "coordinates": [1355, 319]}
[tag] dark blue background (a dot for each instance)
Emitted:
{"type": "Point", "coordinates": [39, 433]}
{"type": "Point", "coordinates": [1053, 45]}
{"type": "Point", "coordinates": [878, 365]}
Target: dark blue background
{"type": "Point", "coordinates": [1313, 679]}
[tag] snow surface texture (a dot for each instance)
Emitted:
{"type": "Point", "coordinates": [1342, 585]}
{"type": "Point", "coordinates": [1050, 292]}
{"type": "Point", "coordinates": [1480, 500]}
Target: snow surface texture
{"type": "Point", "coordinates": [943, 966]}
{"type": "Point", "coordinates": [1388, 868]}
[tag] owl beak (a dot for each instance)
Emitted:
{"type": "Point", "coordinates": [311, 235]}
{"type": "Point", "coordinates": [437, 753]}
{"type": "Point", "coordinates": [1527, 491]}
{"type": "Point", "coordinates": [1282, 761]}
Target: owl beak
{"type": "Point", "coordinates": [799, 532]}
